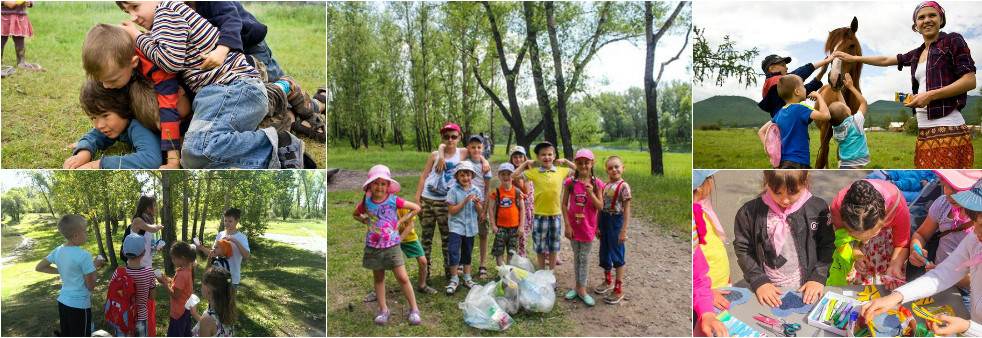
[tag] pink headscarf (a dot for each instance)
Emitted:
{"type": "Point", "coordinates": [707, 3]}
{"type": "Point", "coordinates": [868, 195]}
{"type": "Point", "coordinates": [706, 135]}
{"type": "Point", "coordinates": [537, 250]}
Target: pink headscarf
{"type": "Point", "coordinates": [931, 4]}
{"type": "Point", "coordinates": [779, 233]}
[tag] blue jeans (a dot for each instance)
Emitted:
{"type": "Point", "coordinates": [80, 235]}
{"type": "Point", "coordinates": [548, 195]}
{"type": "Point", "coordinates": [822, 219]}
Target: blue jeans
{"type": "Point", "coordinates": [461, 249]}
{"type": "Point", "coordinates": [261, 51]}
{"type": "Point", "coordinates": [611, 250]}
{"type": "Point", "coordinates": [223, 131]}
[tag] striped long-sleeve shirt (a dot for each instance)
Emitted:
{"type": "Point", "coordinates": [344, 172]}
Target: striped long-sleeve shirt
{"type": "Point", "coordinates": [177, 40]}
{"type": "Point", "coordinates": [166, 86]}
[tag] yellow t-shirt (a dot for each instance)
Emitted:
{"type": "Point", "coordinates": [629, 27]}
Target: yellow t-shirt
{"type": "Point", "coordinates": [411, 237]}
{"type": "Point", "coordinates": [715, 252]}
{"type": "Point", "coordinates": [548, 189]}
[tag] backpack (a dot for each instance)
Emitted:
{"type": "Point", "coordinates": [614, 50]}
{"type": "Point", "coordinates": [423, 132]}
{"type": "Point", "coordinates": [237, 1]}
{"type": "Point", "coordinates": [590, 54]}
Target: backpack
{"type": "Point", "coordinates": [120, 308]}
{"type": "Point", "coordinates": [221, 262]}
{"type": "Point", "coordinates": [772, 145]}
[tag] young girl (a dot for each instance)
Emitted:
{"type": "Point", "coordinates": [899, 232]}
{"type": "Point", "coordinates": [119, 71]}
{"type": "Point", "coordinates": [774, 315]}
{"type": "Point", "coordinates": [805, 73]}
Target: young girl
{"type": "Point", "coordinates": [219, 320]}
{"type": "Point", "coordinates": [17, 25]}
{"type": "Point", "coordinates": [180, 288]}
{"type": "Point", "coordinates": [464, 204]}
{"type": "Point", "coordinates": [382, 251]}
{"type": "Point", "coordinates": [517, 157]}
{"type": "Point", "coordinates": [581, 200]}
{"type": "Point", "coordinates": [713, 250]}
{"type": "Point", "coordinates": [874, 213]}
{"type": "Point", "coordinates": [961, 263]}
{"type": "Point", "coordinates": [612, 225]}
{"type": "Point", "coordinates": [782, 238]}
{"type": "Point", "coordinates": [705, 323]}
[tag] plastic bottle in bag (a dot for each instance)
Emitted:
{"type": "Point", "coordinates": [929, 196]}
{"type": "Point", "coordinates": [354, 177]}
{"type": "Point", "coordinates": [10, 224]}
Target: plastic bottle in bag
{"type": "Point", "coordinates": [536, 293]}
{"type": "Point", "coordinates": [482, 311]}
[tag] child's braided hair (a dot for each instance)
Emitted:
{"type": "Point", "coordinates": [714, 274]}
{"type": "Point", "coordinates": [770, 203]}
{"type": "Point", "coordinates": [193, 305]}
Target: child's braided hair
{"type": "Point", "coordinates": [862, 207]}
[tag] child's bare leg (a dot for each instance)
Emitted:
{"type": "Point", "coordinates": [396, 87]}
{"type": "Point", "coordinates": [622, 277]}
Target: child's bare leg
{"type": "Point", "coordinates": [497, 259]}
{"type": "Point", "coordinates": [552, 260]}
{"type": "Point", "coordinates": [541, 259]}
{"type": "Point", "coordinates": [619, 273]}
{"type": "Point", "coordinates": [405, 285]}
{"type": "Point", "coordinates": [484, 247]}
{"type": "Point", "coordinates": [423, 270]}
{"type": "Point", "coordinates": [467, 270]}
{"type": "Point", "coordinates": [380, 289]}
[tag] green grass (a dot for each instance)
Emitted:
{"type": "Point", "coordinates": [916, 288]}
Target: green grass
{"type": "Point", "coordinates": [741, 148]}
{"type": "Point", "coordinates": [292, 227]}
{"type": "Point", "coordinates": [282, 292]}
{"type": "Point", "coordinates": [41, 113]}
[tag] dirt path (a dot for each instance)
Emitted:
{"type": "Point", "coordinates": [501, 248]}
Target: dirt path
{"type": "Point", "coordinates": [313, 242]}
{"type": "Point", "coordinates": [351, 180]}
{"type": "Point", "coordinates": [23, 247]}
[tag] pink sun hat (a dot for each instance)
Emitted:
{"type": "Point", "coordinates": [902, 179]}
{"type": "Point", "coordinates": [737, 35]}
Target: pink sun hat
{"type": "Point", "coordinates": [584, 153]}
{"type": "Point", "coordinates": [381, 171]}
{"type": "Point", "coordinates": [961, 180]}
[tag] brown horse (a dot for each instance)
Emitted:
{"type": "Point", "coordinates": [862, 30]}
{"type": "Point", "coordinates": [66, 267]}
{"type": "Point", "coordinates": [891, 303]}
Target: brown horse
{"type": "Point", "coordinates": [840, 39]}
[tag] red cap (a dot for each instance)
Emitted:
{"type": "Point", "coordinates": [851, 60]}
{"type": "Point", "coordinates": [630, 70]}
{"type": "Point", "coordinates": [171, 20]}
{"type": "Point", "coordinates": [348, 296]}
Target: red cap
{"type": "Point", "coordinates": [450, 126]}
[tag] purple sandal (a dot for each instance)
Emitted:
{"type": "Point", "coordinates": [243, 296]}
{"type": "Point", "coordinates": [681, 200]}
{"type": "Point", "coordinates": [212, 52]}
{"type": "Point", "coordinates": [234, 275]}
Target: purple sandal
{"type": "Point", "coordinates": [383, 316]}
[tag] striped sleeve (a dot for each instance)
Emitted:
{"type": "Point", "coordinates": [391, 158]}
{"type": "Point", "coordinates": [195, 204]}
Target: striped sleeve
{"type": "Point", "coordinates": [166, 86]}
{"type": "Point", "coordinates": [144, 280]}
{"type": "Point", "coordinates": [167, 45]}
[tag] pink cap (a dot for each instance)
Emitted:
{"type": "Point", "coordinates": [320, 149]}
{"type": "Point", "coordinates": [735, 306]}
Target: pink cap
{"type": "Point", "coordinates": [450, 126]}
{"type": "Point", "coordinates": [584, 153]}
{"type": "Point", "coordinates": [381, 171]}
{"type": "Point", "coordinates": [961, 180]}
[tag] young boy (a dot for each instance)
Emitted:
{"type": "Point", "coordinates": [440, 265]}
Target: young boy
{"type": "Point", "coordinates": [612, 226]}
{"type": "Point", "coordinates": [239, 241]}
{"type": "Point", "coordinates": [143, 278]}
{"type": "Point", "coordinates": [793, 122]}
{"type": "Point", "coordinates": [548, 220]}
{"type": "Point", "coordinates": [847, 129]}
{"type": "Point", "coordinates": [463, 205]}
{"type": "Point", "coordinates": [110, 113]}
{"type": "Point", "coordinates": [77, 270]}
{"type": "Point", "coordinates": [110, 57]}
{"type": "Point", "coordinates": [230, 101]}
{"type": "Point", "coordinates": [507, 215]}
{"type": "Point", "coordinates": [775, 67]}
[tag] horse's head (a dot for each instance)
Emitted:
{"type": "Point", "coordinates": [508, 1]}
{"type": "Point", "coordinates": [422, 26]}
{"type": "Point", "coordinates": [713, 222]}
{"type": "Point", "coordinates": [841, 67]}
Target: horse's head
{"type": "Point", "coordinates": [844, 39]}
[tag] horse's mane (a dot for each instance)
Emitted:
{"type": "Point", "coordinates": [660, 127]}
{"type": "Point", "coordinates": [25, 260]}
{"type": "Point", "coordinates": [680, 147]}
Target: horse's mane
{"type": "Point", "coordinates": [842, 34]}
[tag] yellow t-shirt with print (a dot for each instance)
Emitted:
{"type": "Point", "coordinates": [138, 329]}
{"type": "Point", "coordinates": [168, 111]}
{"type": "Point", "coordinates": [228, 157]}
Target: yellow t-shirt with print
{"type": "Point", "coordinates": [548, 189]}
{"type": "Point", "coordinates": [715, 252]}
{"type": "Point", "coordinates": [411, 237]}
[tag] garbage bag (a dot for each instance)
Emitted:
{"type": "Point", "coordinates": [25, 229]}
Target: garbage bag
{"type": "Point", "coordinates": [536, 293]}
{"type": "Point", "coordinates": [522, 263]}
{"type": "Point", "coordinates": [482, 311]}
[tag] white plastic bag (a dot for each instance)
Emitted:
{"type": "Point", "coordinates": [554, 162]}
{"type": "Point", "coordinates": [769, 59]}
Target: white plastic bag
{"type": "Point", "coordinates": [482, 311]}
{"type": "Point", "coordinates": [522, 263]}
{"type": "Point", "coordinates": [536, 293]}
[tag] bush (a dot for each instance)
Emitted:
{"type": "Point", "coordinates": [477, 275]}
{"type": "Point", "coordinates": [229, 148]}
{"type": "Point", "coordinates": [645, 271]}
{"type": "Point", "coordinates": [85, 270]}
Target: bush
{"type": "Point", "coordinates": [709, 127]}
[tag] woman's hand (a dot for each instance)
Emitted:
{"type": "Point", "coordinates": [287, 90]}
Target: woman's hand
{"type": "Point", "coordinates": [952, 325]}
{"type": "Point", "coordinates": [811, 291]}
{"type": "Point", "coordinates": [768, 295]}
{"type": "Point", "coordinates": [921, 100]}
{"type": "Point", "coordinates": [881, 305]}
{"type": "Point", "coordinates": [845, 56]}
{"type": "Point", "coordinates": [719, 301]}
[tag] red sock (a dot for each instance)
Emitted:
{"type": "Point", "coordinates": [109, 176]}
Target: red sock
{"type": "Point", "coordinates": [617, 287]}
{"type": "Point", "coordinates": [607, 277]}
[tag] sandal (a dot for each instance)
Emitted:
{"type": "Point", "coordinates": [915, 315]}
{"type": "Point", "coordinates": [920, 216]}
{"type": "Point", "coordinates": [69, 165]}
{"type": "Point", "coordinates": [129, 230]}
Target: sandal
{"type": "Point", "coordinates": [452, 287]}
{"type": "Point", "coordinates": [426, 289]}
{"type": "Point", "coordinates": [7, 70]}
{"type": "Point", "coordinates": [31, 66]}
{"type": "Point", "coordinates": [321, 96]}
{"type": "Point", "coordinates": [301, 103]}
{"type": "Point", "coordinates": [383, 316]}
{"type": "Point", "coordinates": [370, 297]}
{"type": "Point", "coordinates": [469, 282]}
{"type": "Point", "coordinates": [314, 131]}
{"type": "Point", "coordinates": [482, 273]}
{"type": "Point", "coordinates": [414, 318]}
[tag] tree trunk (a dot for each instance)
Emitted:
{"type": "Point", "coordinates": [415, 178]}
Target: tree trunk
{"type": "Point", "coordinates": [204, 213]}
{"type": "Point", "coordinates": [167, 219]}
{"type": "Point", "coordinates": [184, 210]}
{"type": "Point", "coordinates": [557, 61]}
{"type": "Point", "coordinates": [651, 85]}
{"type": "Point", "coordinates": [228, 200]}
{"type": "Point", "coordinates": [50, 210]}
{"type": "Point", "coordinates": [197, 205]}
{"type": "Point", "coordinates": [541, 95]}
{"type": "Point", "coordinates": [109, 236]}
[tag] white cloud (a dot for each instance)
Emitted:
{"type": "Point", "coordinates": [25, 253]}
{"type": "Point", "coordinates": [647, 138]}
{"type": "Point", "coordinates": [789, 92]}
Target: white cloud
{"type": "Point", "coordinates": [620, 65]}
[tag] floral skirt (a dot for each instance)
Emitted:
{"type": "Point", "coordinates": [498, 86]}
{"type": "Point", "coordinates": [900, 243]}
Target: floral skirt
{"type": "Point", "coordinates": [879, 250]}
{"type": "Point", "coordinates": [944, 147]}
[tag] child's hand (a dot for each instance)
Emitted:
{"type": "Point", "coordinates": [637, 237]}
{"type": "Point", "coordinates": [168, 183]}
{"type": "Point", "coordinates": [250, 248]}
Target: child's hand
{"type": "Point", "coordinates": [175, 164]}
{"type": "Point", "coordinates": [952, 325]}
{"type": "Point", "coordinates": [441, 165]}
{"type": "Point", "coordinates": [10, 4]}
{"type": "Point", "coordinates": [588, 188]}
{"type": "Point", "coordinates": [528, 164]}
{"type": "Point", "coordinates": [562, 161]}
{"type": "Point", "coordinates": [814, 95]}
{"type": "Point", "coordinates": [622, 237]}
{"type": "Point", "coordinates": [568, 232]}
{"type": "Point", "coordinates": [768, 295]}
{"type": "Point", "coordinates": [98, 262]}
{"type": "Point", "coordinates": [131, 29]}
{"type": "Point", "coordinates": [811, 291]}
{"type": "Point", "coordinates": [719, 301]}
{"type": "Point", "coordinates": [90, 165]}
{"type": "Point", "coordinates": [485, 167]}
{"type": "Point", "coordinates": [521, 229]}
{"type": "Point", "coordinates": [862, 265]}
{"type": "Point", "coordinates": [916, 259]}
{"type": "Point", "coordinates": [713, 326]}
{"type": "Point", "coordinates": [215, 58]}
{"type": "Point", "coordinates": [82, 157]}
{"type": "Point", "coordinates": [848, 81]}
{"type": "Point", "coordinates": [494, 228]}
{"type": "Point", "coordinates": [880, 305]}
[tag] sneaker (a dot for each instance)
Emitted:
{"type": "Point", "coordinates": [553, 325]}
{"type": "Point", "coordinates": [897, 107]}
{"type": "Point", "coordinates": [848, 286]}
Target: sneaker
{"type": "Point", "coordinates": [289, 151]}
{"type": "Point", "coordinates": [616, 295]}
{"type": "Point", "coordinates": [426, 289]}
{"type": "Point", "coordinates": [414, 318]}
{"type": "Point", "coordinates": [571, 295]}
{"type": "Point", "coordinates": [452, 287]}
{"type": "Point", "coordinates": [603, 288]}
{"type": "Point", "coordinates": [469, 282]}
{"type": "Point", "coordinates": [383, 316]}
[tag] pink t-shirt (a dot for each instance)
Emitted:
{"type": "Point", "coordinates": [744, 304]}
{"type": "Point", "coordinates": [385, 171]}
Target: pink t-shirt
{"type": "Point", "coordinates": [582, 214]}
{"type": "Point", "coordinates": [384, 230]}
{"type": "Point", "coordinates": [897, 214]}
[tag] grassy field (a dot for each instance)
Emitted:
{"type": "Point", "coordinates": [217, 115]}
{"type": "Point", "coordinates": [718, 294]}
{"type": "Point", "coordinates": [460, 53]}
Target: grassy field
{"type": "Point", "coordinates": [292, 227]}
{"type": "Point", "coordinates": [282, 291]}
{"type": "Point", "coordinates": [41, 113]}
{"type": "Point", "coordinates": [741, 148]}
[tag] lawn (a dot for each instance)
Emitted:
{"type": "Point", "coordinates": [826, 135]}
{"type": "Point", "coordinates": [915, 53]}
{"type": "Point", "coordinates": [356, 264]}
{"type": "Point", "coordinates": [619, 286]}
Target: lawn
{"type": "Point", "coordinates": [282, 292]}
{"type": "Point", "coordinates": [736, 148]}
{"type": "Point", "coordinates": [294, 227]}
{"type": "Point", "coordinates": [41, 113]}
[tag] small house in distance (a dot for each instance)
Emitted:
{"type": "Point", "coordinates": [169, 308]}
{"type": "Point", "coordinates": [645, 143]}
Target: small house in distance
{"type": "Point", "coordinates": [897, 126]}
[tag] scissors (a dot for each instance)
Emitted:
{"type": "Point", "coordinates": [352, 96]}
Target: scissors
{"type": "Point", "coordinates": [780, 327]}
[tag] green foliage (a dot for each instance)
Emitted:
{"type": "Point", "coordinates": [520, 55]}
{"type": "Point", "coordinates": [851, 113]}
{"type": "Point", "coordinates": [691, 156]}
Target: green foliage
{"type": "Point", "coordinates": [14, 204]}
{"type": "Point", "coordinates": [724, 62]}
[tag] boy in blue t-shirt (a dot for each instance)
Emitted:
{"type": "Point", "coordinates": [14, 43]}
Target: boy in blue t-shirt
{"type": "Point", "coordinates": [77, 269]}
{"type": "Point", "coordinates": [793, 122]}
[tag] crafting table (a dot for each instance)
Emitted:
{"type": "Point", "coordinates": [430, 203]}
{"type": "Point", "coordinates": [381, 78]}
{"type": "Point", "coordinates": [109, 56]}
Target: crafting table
{"type": "Point", "coordinates": [746, 311]}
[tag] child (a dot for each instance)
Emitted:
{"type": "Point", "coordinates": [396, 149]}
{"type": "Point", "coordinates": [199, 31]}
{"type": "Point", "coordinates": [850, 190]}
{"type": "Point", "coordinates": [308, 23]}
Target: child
{"type": "Point", "coordinates": [378, 210]}
{"type": "Point", "coordinates": [239, 241]}
{"type": "Point", "coordinates": [507, 216]}
{"type": "Point", "coordinates": [17, 25]}
{"type": "Point", "coordinates": [464, 206]}
{"type": "Point", "coordinates": [961, 263]}
{"type": "Point", "coordinates": [612, 226]}
{"type": "Point", "coordinates": [548, 179]}
{"type": "Point", "coordinates": [77, 270]}
{"type": "Point", "coordinates": [474, 154]}
{"type": "Point", "coordinates": [705, 323]}
{"type": "Point", "coordinates": [713, 246]}
{"type": "Point", "coordinates": [874, 213]}
{"type": "Point", "coordinates": [412, 249]}
{"type": "Point", "coordinates": [110, 113]}
{"type": "Point", "coordinates": [517, 158]}
{"type": "Point", "coordinates": [219, 320]}
{"type": "Point", "coordinates": [793, 122]}
{"type": "Point", "coordinates": [431, 193]}
{"type": "Point", "coordinates": [180, 288]}
{"type": "Point", "coordinates": [230, 101]}
{"type": "Point", "coordinates": [847, 129]}
{"type": "Point", "coordinates": [776, 67]}
{"type": "Point", "coordinates": [581, 199]}
{"type": "Point", "coordinates": [143, 279]}
{"type": "Point", "coordinates": [765, 245]}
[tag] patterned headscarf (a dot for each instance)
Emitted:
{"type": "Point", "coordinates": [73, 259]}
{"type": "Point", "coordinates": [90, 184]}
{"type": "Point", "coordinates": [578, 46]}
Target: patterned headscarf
{"type": "Point", "coordinates": [931, 4]}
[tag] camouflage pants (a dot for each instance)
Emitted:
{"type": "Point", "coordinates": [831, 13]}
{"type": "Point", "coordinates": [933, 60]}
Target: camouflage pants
{"type": "Point", "coordinates": [433, 215]}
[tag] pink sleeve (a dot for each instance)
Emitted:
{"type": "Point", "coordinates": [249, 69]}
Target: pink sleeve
{"type": "Point", "coordinates": [400, 202]}
{"type": "Point", "coordinates": [361, 208]}
{"type": "Point", "coordinates": [835, 206]}
{"type": "Point", "coordinates": [702, 292]}
{"type": "Point", "coordinates": [900, 222]}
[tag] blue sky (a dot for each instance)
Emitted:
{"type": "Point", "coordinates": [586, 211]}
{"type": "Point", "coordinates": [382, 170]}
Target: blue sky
{"type": "Point", "coordinates": [799, 30]}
